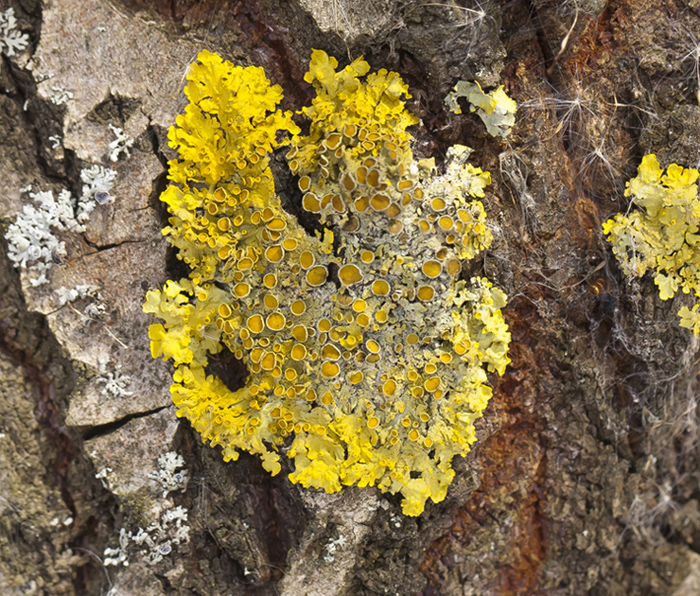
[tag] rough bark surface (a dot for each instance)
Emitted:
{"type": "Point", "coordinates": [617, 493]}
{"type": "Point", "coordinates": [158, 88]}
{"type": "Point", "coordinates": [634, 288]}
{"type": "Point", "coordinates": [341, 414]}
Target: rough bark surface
{"type": "Point", "coordinates": [586, 475]}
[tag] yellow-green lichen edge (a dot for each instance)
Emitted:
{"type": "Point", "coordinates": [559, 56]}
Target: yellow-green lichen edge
{"type": "Point", "coordinates": [367, 360]}
{"type": "Point", "coordinates": [496, 109]}
{"type": "Point", "coordinates": [663, 234]}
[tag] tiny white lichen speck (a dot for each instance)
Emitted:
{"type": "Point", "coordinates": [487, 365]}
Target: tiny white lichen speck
{"type": "Point", "coordinates": [115, 383]}
{"type": "Point", "coordinates": [79, 292]}
{"type": "Point", "coordinates": [121, 144]}
{"type": "Point", "coordinates": [171, 476]}
{"type": "Point", "coordinates": [332, 547]}
{"type": "Point", "coordinates": [60, 95]}
{"type": "Point", "coordinates": [97, 182]}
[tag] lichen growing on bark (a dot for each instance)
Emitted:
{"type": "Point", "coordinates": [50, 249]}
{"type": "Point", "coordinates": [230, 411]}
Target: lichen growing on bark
{"type": "Point", "coordinates": [366, 352]}
{"type": "Point", "coordinates": [662, 235]}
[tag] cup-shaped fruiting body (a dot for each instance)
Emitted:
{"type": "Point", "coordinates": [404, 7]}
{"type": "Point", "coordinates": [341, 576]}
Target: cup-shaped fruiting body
{"type": "Point", "coordinates": [367, 353]}
{"type": "Point", "coordinates": [662, 235]}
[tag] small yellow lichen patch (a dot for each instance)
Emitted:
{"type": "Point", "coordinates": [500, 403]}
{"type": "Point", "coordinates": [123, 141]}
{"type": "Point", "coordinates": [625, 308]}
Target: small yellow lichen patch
{"type": "Point", "coordinates": [663, 235]}
{"type": "Point", "coordinates": [365, 351]}
{"type": "Point", "coordinates": [495, 109]}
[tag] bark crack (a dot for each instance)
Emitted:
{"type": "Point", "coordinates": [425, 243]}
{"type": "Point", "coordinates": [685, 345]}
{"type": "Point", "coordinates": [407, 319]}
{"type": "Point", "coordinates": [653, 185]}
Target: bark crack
{"type": "Point", "coordinates": [100, 430]}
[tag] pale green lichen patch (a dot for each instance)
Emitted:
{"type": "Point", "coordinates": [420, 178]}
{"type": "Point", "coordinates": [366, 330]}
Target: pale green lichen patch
{"type": "Point", "coordinates": [367, 360]}
{"type": "Point", "coordinates": [662, 235]}
{"type": "Point", "coordinates": [495, 109]}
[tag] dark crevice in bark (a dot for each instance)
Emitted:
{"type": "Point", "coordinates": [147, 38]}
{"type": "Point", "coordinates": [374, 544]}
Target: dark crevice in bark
{"type": "Point", "coordinates": [113, 108]}
{"type": "Point", "coordinates": [160, 183]}
{"type": "Point", "coordinates": [154, 139]}
{"type": "Point", "coordinates": [287, 188]}
{"type": "Point", "coordinates": [103, 247]}
{"type": "Point", "coordinates": [100, 430]}
{"type": "Point", "coordinates": [37, 113]}
{"type": "Point", "coordinates": [175, 268]}
{"type": "Point", "coordinates": [228, 368]}
{"type": "Point", "coordinates": [542, 39]}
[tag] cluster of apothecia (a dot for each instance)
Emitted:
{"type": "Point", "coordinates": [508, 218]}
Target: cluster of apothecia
{"type": "Point", "coordinates": [367, 354]}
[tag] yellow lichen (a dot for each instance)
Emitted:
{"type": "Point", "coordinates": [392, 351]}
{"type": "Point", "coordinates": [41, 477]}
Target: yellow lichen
{"type": "Point", "coordinates": [663, 234]}
{"type": "Point", "coordinates": [496, 109]}
{"type": "Point", "coordinates": [366, 353]}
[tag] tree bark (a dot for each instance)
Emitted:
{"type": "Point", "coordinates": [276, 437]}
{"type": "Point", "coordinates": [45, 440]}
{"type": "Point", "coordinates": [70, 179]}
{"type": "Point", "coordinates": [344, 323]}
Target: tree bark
{"type": "Point", "coordinates": [585, 476]}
